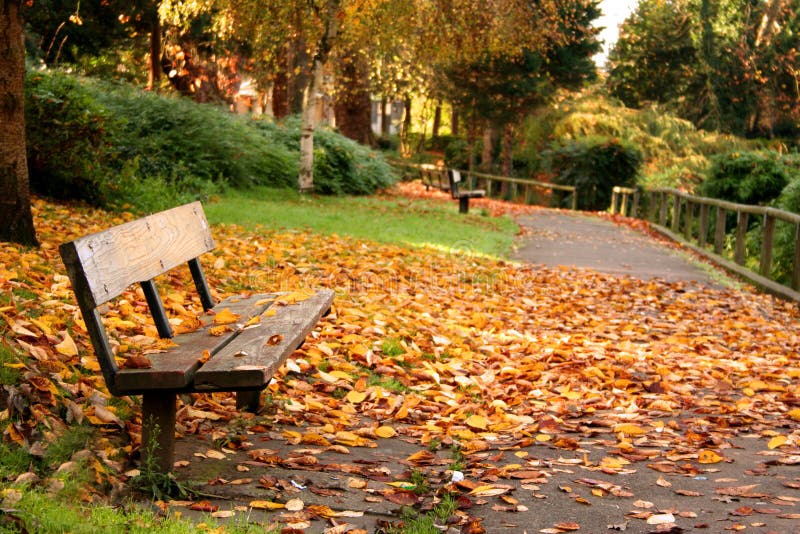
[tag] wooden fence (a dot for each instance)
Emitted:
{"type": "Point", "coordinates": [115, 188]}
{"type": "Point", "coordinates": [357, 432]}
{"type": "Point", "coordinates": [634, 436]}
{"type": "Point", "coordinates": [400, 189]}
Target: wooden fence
{"type": "Point", "coordinates": [489, 182]}
{"type": "Point", "coordinates": [715, 228]}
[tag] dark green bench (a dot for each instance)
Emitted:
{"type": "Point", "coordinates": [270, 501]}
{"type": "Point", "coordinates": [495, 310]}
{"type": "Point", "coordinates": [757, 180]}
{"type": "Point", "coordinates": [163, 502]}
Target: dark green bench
{"type": "Point", "coordinates": [269, 327]}
{"type": "Point", "coordinates": [449, 181]}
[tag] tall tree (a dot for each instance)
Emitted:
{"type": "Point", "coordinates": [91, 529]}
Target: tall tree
{"type": "Point", "coordinates": [16, 220]}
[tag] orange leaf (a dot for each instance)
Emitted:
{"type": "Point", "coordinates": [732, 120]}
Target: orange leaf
{"type": "Point", "coordinates": [225, 316]}
{"type": "Point", "coordinates": [708, 456]}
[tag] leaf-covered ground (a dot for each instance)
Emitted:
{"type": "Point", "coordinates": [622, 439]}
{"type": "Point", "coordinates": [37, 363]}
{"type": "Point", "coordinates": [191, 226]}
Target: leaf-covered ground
{"type": "Point", "coordinates": [427, 346]}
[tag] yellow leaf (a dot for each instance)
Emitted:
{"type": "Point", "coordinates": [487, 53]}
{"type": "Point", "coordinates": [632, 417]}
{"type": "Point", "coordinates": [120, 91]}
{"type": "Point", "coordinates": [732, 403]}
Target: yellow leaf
{"type": "Point", "coordinates": [477, 421]}
{"type": "Point", "coordinates": [707, 456]}
{"type": "Point", "coordinates": [219, 330]}
{"type": "Point", "coordinates": [355, 397]}
{"type": "Point", "coordinates": [67, 347]}
{"type": "Point", "coordinates": [794, 414]}
{"type": "Point", "coordinates": [777, 441]}
{"type": "Point", "coordinates": [541, 438]}
{"type": "Point", "coordinates": [385, 432]}
{"type": "Point", "coordinates": [253, 320]}
{"type": "Point", "coordinates": [630, 429]}
{"type": "Point", "coordinates": [266, 505]}
{"type": "Point", "coordinates": [225, 316]}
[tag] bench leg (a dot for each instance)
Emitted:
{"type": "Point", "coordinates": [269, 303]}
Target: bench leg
{"type": "Point", "coordinates": [249, 401]}
{"type": "Point", "coordinates": [463, 205]}
{"type": "Point", "coordinates": [158, 429]}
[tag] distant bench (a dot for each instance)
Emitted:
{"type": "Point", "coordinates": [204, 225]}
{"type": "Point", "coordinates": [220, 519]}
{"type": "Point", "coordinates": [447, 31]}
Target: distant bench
{"type": "Point", "coordinates": [448, 180]}
{"type": "Point", "coordinates": [238, 346]}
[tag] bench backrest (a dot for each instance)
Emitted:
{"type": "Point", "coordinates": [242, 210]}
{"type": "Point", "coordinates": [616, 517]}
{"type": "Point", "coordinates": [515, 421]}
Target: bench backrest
{"type": "Point", "coordinates": [103, 265]}
{"type": "Point", "coordinates": [455, 178]}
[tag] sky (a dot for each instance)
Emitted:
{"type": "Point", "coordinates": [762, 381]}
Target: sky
{"type": "Point", "coordinates": [614, 13]}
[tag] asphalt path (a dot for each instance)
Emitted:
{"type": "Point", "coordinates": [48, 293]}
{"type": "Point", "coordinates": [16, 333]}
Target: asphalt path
{"type": "Point", "coordinates": [568, 239]}
{"type": "Point", "coordinates": [754, 490]}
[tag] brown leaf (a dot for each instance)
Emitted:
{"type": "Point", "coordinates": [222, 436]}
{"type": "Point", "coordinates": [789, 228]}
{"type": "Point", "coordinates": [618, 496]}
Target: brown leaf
{"type": "Point", "coordinates": [137, 361]}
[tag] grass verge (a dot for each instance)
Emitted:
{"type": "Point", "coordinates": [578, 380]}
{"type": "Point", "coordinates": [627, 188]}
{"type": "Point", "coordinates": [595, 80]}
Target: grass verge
{"type": "Point", "coordinates": [384, 219]}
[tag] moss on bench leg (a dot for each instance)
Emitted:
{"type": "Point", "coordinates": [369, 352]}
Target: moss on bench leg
{"type": "Point", "coordinates": [158, 430]}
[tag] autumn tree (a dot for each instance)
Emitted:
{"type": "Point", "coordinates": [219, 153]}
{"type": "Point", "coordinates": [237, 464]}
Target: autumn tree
{"type": "Point", "coordinates": [728, 65]}
{"type": "Point", "coordinates": [497, 84]}
{"type": "Point", "coordinates": [16, 220]}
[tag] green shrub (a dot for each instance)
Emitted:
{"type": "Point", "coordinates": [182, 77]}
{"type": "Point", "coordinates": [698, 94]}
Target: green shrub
{"type": "Point", "coordinates": [784, 243]}
{"type": "Point", "coordinates": [116, 146]}
{"type": "Point", "coordinates": [594, 165]}
{"type": "Point", "coordinates": [173, 136]}
{"type": "Point", "coordinates": [68, 142]}
{"type": "Point", "coordinates": [749, 177]}
{"type": "Point", "coordinates": [341, 166]}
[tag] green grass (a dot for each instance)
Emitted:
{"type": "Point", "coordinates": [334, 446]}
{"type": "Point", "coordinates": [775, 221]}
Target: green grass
{"type": "Point", "coordinates": [383, 219]}
{"type": "Point", "coordinates": [37, 511]}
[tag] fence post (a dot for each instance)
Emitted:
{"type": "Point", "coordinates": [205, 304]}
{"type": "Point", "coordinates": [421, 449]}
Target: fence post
{"type": "Point", "coordinates": [796, 265]}
{"type": "Point", "coordinates": [687, 231]}
{"type": "Point", "coordinates": [741, 235]}
{"type": "Point", "coordinates": [766, 245]}
{"type": "Point", "coordinates": [635, 207]}
{"type": "Point", "coordinates": [719, 230]}
{"type": "Point", "coordinates": [702, 236]}
{"type": "Point", "coordinates": [676, 213]}
{"type": "Point", "coordinates": [662, 204]}
{"type": "Point", "coordinates": [614, 194]}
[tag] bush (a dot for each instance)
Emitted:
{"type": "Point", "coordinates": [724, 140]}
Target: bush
{"type": "Point", "coordinates": [68, 139]}
{"type": "Point", "coordinates": [341, 166]}
{"type": "Point", "coordinates": [783, 246]}
{"type": "Point", "coordinates": [116, 146]}
{"type": "Point", "coordinates": [173, 136]}
{"type": "Point", "coordinates": [594, 165]}
{"type": "Point", "coordinates": [749, 177]}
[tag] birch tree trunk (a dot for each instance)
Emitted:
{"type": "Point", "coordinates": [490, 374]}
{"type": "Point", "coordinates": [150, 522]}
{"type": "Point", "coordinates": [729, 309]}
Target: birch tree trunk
{"type": "Point", "coordinates": [16, 220]}
{"type": "Point", "coordinates": [305, 180]}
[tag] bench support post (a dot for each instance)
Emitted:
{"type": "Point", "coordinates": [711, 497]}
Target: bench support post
{"type": "Point", "coordinates": [249, 401]}
{"type": "Point", "coordinates": [158, 429]}
{"type": "Point", "coordinates": [463, 204]}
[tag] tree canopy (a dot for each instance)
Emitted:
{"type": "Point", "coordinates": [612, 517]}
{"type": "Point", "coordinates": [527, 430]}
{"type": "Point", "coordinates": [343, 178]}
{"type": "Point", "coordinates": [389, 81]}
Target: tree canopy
{"type": "Point", "coordinates": [730, 65]}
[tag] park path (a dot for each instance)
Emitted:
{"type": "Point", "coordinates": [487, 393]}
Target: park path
{"type": "Point", "coordinates": [569, 239]}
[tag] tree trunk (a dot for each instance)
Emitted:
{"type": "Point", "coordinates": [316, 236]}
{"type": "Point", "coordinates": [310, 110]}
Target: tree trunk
{"type": "Point", "coordinates": [488, 149]}
{"type": "Point", "coordinates": [305, 181]}
{"type": "Point", "coordinates": [437, 120]}
{"type": "Point", "coordinates": [280, 86]}
{"type": "Point", "coordinates": [405, 128]}
{"type": "Point", "coordinates": [454, 123]}
{"type": "Point", "coordinates": [386, 118]}
{"type": "Point", "coordinates": [16, 220]}
{"type": "Point", "coordinates": [508, 139]}
{"type": "Point", "coordinates": [154, 63]}
{"type": "Point", "coordinates": [306, 178]}
{"type": "Point", "coordinates": [353, 107]}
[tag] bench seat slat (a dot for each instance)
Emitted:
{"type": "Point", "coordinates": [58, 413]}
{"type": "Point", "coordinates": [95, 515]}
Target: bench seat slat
{"type": "Point", "coordinates": [250, 360]}
{"type": "Point", "coordinates": [175, 368]}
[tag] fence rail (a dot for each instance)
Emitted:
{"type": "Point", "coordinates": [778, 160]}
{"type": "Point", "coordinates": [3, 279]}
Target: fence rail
{"type": "Point", "coordinates": [710, 226]}
{"type": "Point", "coordinates": [488, 182]}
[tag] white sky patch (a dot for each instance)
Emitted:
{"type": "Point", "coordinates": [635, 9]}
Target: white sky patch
{"type": "Point", "coordinates": [614, 13]}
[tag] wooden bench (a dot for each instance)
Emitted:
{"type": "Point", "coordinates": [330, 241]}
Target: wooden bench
{"type": "Point", "coordinates": [240, 357]}
{"type": "Point", "coordinates": [449, 181]}
{"type": "Point", "coordinates": [454, 177]}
